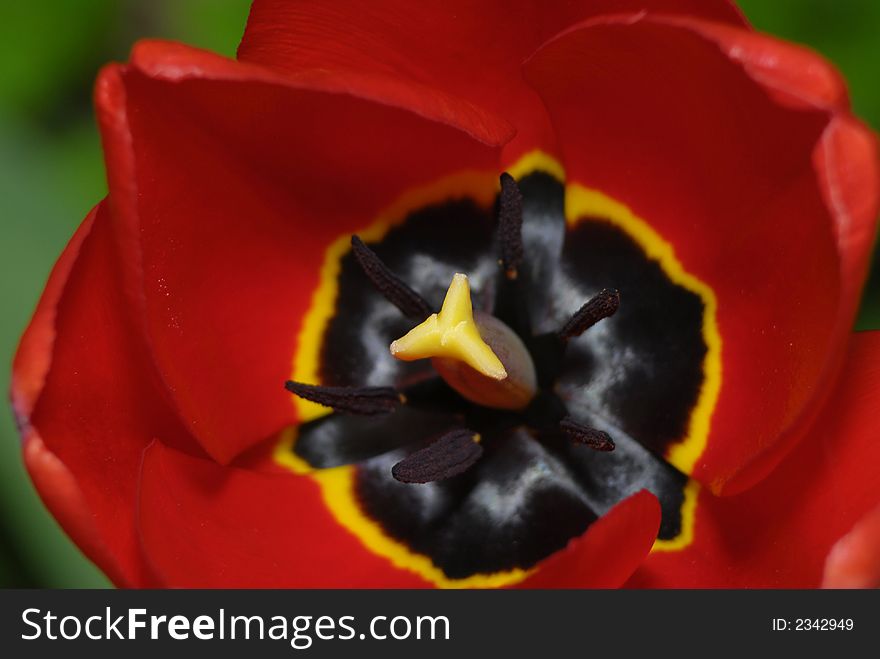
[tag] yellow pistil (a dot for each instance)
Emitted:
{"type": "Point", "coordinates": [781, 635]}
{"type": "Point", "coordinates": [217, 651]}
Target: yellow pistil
{"type": "Point", "coordinates": [451, 334]}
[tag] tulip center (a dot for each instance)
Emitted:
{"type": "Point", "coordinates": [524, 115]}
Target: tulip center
{"type": "Point", "coordinates": [478, 356]}
{"type": "Point", "coordinates": [496, 377]}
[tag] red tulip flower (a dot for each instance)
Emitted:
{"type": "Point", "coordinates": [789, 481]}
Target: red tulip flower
{"type": "Point", "coordinates": [669, 272]}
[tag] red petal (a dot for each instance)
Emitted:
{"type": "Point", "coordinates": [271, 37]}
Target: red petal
{"type": "Point", "coordinates": [228, 185]}
{"type": "Point", "coordinates": [64, 498]}
{"type": "Point", "coordinates": [205, 525]}
{"type": "Point", "coordinates": [848, 165]}
{"type": "Point", "coordinates": [735, 181]}
{"type": "Point", "coordinates": [854, 561]}
{"type": "Point", "coordinates": [792, 74]}
{"type": "Point", "coordinates": [54, 482]}
{"type": "Point", "coordinates": [471, 50]}
{"type": "Point", "coordinates": [778, 533]}
{"type": "Point", "coordinates": [95, 407]}
{"type": "Point", "coordinates": [208, 526]}
{"type": "Point", "coordinates": [608, 553]}
{"type": "Point", "coordinates": [34, 354]}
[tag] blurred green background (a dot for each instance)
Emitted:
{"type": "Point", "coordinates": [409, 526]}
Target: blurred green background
{"type": "Point", "coordinates": [52, 174]}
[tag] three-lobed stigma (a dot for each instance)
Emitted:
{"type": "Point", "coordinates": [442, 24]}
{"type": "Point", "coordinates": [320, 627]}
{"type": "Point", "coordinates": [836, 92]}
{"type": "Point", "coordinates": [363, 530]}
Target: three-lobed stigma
{"type": "Point", "coordinates": [453, 334]}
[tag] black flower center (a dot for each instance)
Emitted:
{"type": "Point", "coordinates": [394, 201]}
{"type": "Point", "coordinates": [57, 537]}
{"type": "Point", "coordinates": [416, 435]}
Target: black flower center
{"type": "Point", "coordinates": [534, 480]}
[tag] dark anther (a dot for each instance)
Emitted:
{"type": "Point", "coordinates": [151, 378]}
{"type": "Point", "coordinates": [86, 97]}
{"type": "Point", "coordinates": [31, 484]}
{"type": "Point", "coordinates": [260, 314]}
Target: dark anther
{"type": "Point", "coordinates": [510, 219]}
{"type": "Point", "coordinates": [388, 284]}
{"type": "Point", "coordinates": [595, 439]}
{"type": "Point", "coordinates": [450, 455]}
{"type": "Point", "coordinates": [600, 306]}
{"type": "Point", "coordinates": [367, 401]}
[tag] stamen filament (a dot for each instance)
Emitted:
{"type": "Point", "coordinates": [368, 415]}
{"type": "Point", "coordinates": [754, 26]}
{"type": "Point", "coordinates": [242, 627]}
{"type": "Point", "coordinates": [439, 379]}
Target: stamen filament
{"type": "Point", "coordinates": [510, 219]}
{"type": "Point", "coordinates": [602, 305]}
{"type": "Point", "coordinates": [392, 287]}
{"type": "Point", "coordinates": [595, 439]}
{"type": "Point", "coordinates": [367, 401]}
{"type": "Point", "coordinates": [450, 455]}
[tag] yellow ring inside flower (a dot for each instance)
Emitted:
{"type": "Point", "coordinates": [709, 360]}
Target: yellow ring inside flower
{"type": "Point", "coordinates": [337, 483]}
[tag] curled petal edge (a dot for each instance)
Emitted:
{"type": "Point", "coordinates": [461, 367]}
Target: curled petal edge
{"type": "Point", "coordinates": [174, 62]}
{"type": "Point", "coordinates": [34, 354]}
{"type": "Point", "coordinates": [847, 163]}
{"type": "Point", "coordinates": [854, 560]}
{"type": "Point", "coordinates": [63, 497]}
